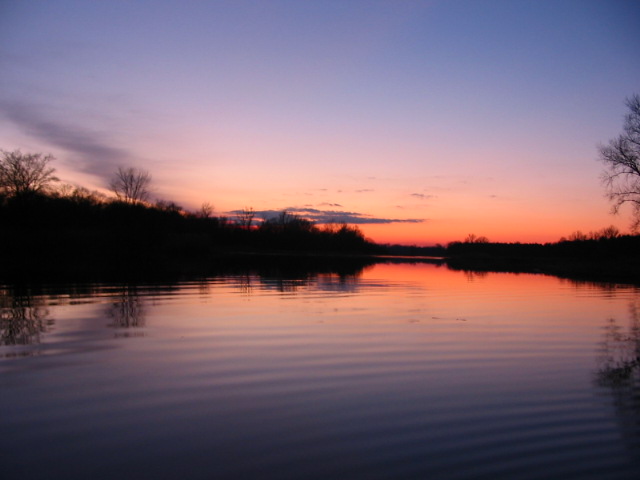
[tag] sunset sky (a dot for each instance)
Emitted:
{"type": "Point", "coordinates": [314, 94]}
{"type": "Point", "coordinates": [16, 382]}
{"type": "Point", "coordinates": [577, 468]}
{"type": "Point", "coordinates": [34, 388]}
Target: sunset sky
{"type": "Point", "coordinates": [420, 121]}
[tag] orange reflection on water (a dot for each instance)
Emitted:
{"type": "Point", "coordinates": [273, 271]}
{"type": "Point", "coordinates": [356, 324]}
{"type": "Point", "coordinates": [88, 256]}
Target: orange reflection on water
{"type": "Point", "coordinates": [455, 368]}
{"type": "Point", "coordinates": [546, 299]}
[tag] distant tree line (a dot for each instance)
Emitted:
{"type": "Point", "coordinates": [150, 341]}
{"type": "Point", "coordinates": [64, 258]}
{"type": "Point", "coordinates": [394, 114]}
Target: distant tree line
{"type": "Point", "coordinates": [604, 255]}
{"type": "Point", "coordinates": [46, 223]}
{"type": "Point", "coordinates": [608, 239]}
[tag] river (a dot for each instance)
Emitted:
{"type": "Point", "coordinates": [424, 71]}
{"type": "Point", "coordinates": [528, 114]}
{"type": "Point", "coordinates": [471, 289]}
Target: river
{"type": "Point", "coordinates": [393, 371]}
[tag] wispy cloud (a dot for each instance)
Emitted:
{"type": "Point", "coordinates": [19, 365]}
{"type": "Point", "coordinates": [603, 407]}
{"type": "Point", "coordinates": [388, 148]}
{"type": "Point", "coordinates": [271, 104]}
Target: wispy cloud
{"type": "Point", "coordinates": [331, 216]}
{"type": "Point", "coordinates": [423, 196]}
{"type": "Point", "coordinates": [92, 151]}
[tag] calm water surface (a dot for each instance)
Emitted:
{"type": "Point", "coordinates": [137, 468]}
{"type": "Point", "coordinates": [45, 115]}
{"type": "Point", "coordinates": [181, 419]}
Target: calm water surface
{"type": "Point", "coordinates": [401, 371]}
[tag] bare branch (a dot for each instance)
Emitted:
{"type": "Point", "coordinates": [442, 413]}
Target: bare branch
{"type": "Point", "coordinates": [621, 157]}
{"type": "Point", "coordinates": [245, 217]}
{"type": "Point", "coordinates": [25, 173]}
{"type": "Point", "coordinates": [131, 185]}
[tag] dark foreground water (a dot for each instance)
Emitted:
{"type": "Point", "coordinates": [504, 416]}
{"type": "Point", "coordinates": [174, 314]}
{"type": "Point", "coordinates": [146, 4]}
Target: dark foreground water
{"type": "Point", "coordinates": [402, 371]}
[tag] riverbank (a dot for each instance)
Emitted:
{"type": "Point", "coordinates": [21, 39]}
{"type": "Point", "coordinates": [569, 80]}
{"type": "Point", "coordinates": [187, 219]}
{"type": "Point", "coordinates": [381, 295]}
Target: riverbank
{"type": "Point", "coordinates": [588, 269]}
{"type": "Point", "coordinates": [606, 259]}
{"type": "Point", "coordinates": [91, 266]}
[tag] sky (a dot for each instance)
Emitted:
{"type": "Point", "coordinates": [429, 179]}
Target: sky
{"type": "Point", "coordinates": [419, 121]}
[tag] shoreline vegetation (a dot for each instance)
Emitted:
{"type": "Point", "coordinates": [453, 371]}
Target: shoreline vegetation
{"type": "Point", "coordinates": [54, 232]}
{"type": "Point", "coordinates": [83, 237]}
{"type": "Point", "coordinates": [614, 260]}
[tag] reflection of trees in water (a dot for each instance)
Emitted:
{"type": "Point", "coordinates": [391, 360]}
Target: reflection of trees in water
{"type": "Point", "coordinates": [204, 288]}
{"type": "Point", "coordinates": [603, 289]}
{"type": "Point", "coordinates": [321, 273]}
{"type": "Point", "coordinates": [128, 309]}
{"type": "Point", "coordinates": [473, 275]}
{"type": "Point", "coordinates": [338, 283]}
{"type": "Point", "coordinates": [619, 362]}
{"type": "Point", "coordinates": [23, 318]}
{"type": "Point", "coordinates": [619, 373]}
{"type": "Point", "coordinates": [245, 284]}
{"type": "Point", "coordinates": [322, 282]}
{"type": "Point", "coordinates": [284, 285]}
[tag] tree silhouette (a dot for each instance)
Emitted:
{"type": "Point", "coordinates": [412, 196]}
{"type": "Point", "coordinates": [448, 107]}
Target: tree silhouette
{"type": "Point", "coordinates": [25, 173]}
{"type": "Point", "coordinates": [473, 238]}
{"type": "Point", "coordinates": [131, 185]}
{"type": "Point", "coordinates": [206, 209]}
{"type": "Point", "coordinates": [245, 217]}
{"type": "Point", "coordinates": [621, 157]}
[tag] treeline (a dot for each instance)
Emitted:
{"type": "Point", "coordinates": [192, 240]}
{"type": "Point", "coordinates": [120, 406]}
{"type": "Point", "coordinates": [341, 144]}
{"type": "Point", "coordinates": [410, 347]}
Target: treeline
{"type": "Point", "coordinates": [85, 231]}
{"type": "Point", "coordinates": [416, 251]}
{"type": "Point", "coordinates": [605, 255]}
{"type": "Point", "coordinates": [607, 242]}
{"type": "Point", "coordinates": [625, 246]}
{"type": "Point", "coordinates": [47, 227]}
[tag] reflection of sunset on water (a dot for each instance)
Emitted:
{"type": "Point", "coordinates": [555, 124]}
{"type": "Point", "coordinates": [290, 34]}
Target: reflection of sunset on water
{"type": "Point", "coordinates": [433, 369]}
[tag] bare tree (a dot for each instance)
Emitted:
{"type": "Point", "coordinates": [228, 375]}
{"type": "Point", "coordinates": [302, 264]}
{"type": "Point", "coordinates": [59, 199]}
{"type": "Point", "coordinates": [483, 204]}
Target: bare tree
{"type": "Point", "coordinates": [473, 238]}
{"type": "Point", "coordinates": [131, 185]}
{"type": "Point", "coordinates": [169, 206]}
{"type": "Point", "coordinates": [621, 157]}
{"type": "Point", "coordinates": [25, 173]}
{"type": "Point", "coordinates": [206, 209]}
{"type": "Point", "coordinates": [245, 217]}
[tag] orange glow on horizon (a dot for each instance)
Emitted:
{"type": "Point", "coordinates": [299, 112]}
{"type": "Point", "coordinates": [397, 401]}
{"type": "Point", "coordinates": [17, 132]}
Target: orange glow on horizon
{"type": "Point", "coordinates": [443, 220]}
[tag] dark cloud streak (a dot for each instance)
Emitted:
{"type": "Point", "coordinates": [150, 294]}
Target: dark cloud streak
{"type": "Point", "coordinates": [93, 153]}
{"type": "Point", "coordinates": [331, 216]}
{"type": "Point", "coordinates": [423, 196]}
